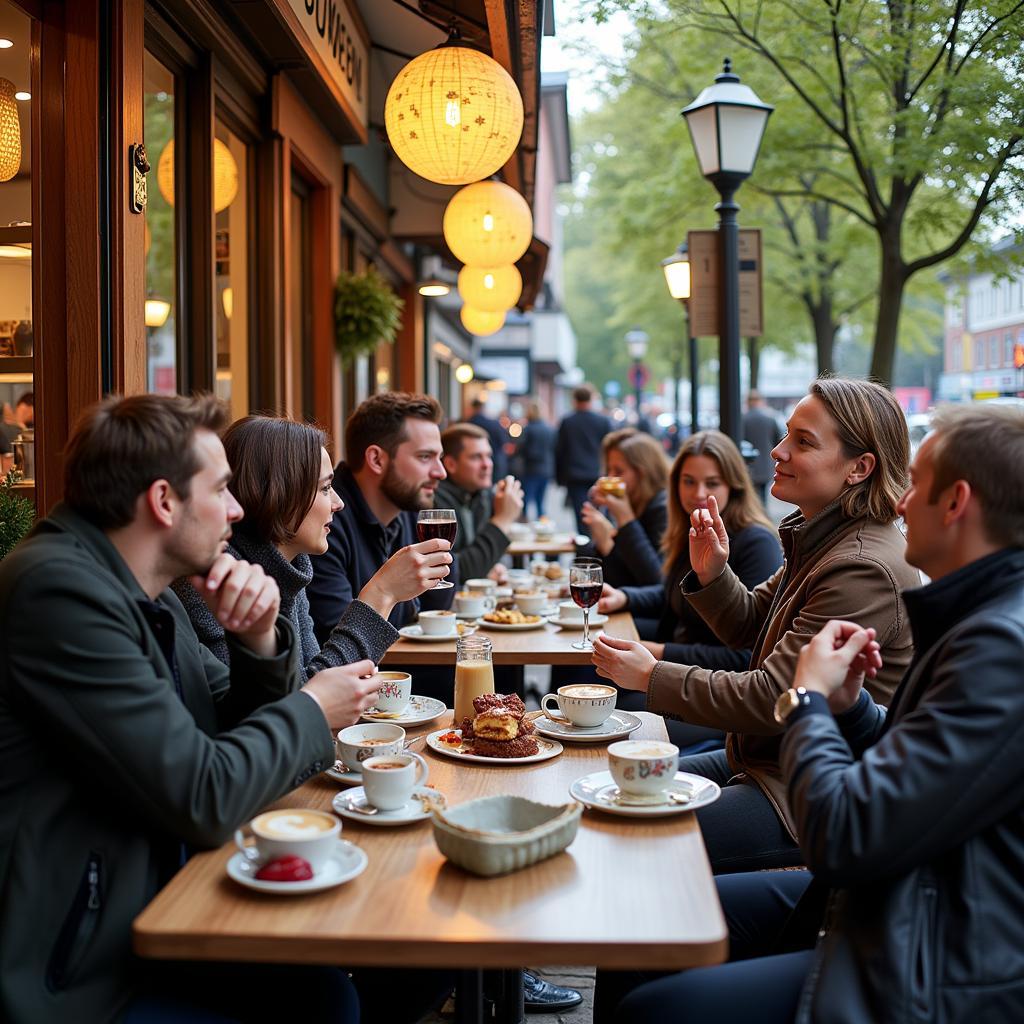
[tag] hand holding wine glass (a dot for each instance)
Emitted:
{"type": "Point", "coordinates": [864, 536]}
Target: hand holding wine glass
{"type": "Point", "coordinates": [441, 523]}
{"type": "Point", "coordinates": [586, 580]}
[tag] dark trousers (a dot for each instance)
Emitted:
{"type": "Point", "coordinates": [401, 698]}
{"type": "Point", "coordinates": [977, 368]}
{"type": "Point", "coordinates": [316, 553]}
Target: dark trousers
{"type": "Point", "coordinates": [578, 494]}
{"type": "Point", "coordinates": [756, 985]}
{"type": "Point", "coordinates": [741, 830]}
{"type": "Point", "coordinates": [534, 488]}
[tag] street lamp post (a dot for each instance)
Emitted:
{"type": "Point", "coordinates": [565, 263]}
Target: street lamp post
{"type": "Point", "coordinates": [677, 277]}
{"type": "Point", "coordinates": [726, 123]}
{"type": "Point", "coordinates": [636, 343]}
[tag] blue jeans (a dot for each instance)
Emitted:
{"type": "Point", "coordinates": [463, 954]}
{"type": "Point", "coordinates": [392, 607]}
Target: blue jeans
{"type": "Point", "coordinates": [534, 488]}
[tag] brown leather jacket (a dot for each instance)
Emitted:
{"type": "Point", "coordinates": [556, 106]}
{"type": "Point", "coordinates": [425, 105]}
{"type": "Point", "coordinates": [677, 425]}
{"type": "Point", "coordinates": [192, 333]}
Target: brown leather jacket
{"type": "Point", "coordinates": [834, 568]}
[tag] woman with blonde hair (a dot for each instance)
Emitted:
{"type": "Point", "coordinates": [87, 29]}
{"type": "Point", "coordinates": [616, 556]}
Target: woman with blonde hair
{"type": "Point", "coordinates": [843, 463]}
{"type": "Point", "coordinates": [629, 546]}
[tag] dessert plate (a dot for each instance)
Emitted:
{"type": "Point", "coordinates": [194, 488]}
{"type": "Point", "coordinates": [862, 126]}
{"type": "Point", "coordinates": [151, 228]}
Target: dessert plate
{"type": "Point", "coordinates": [686, 793]}
{"type": "Point", "coordinates": [547, 749]}
{"type": "Point", "coordinates": [345, 863]}
{"type": "Point", "coordinates": [617, 725]}
{"type": "Point", "coordinates": [512, 627]}
{"type": "Point", "coordinates": [417, 808]}
{"type": "Point", "coordinates": [417, 711]}
{"type": "Point", "coordinates": [596, 619]}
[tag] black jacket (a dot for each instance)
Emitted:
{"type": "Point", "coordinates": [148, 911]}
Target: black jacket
{"type": "Point", "coordinates": [499, 438]}
{"type": "Point", "coordinates": [634, 560]}
{"type": "Point", "coordinates": [916, 818]}
{"type": "Point", "coordinates": [536, 448]}
{"type": "Point", "coordinates": [578, 447]}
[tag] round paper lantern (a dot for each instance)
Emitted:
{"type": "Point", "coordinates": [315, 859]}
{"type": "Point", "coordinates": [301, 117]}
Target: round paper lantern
{"type": "Point", "coordinates": [453, 115]}
{"type": "Point", "coordinates": [225, 175]}
{"type": "Point", "coordinates": [480, 322]}
{"type": "Point", "coordinates": [490, 289]}
{"type": "Point", "coordinates": [10, 132]}
{"type": "Point", "coordinates": [488, 224]}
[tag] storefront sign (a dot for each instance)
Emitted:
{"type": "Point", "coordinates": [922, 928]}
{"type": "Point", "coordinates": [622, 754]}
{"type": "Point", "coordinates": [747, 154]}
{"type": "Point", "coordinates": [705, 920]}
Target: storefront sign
{"type": "Point", "coordinates": [337, 36]}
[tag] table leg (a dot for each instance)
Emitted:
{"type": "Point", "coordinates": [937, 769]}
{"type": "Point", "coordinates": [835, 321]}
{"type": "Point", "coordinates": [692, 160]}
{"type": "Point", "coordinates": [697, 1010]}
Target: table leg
{"type": "Point", "coordinates": [469, 997]}
{"type": "Point", "coordinates": [506, 988]}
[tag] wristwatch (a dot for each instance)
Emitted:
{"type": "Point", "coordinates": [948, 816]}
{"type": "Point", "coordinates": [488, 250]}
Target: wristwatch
{"type": "Point", "coordinates": [789, 701]}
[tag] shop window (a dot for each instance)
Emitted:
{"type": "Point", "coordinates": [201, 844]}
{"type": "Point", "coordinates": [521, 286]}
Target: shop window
{"type": "Point", "coordinates": [300, 305]}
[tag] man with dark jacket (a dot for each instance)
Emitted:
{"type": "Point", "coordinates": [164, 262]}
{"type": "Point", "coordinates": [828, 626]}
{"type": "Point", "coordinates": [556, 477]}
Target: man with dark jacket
{"type": "Point", "coordinates": [497, 434]}
{"type": "Point", "coordinates": [761, 429]}
{"type": "Point", "coordinates": [910, 819]}
{"type": "Point", "coordinates": [578, 451]}
{"type": "Point", "coordinates": [123, 743]}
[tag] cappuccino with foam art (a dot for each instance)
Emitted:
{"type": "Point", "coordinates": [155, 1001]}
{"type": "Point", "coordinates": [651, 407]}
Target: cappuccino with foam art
{"type": "Point", "coordinates": [291, 831]}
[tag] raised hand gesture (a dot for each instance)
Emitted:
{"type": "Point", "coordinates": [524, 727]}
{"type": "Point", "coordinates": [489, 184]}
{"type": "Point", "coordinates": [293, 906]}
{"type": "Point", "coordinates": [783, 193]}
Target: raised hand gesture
{"type": "Point", "coordinates": [709, 543]}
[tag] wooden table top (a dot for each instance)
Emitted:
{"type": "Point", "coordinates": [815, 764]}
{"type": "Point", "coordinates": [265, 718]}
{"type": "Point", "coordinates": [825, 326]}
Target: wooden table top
{"type": "Point", "coordinates": [560, 544]}
{"type": "Point", "coordinates": [548, 645]}
{"type": "Point", "coordinates": [628, 892]}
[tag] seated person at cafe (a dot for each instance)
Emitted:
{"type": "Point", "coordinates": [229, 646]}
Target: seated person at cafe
{"type": "Point", "coordinates": [485, 512]}
{"type": "Point", "coordinates": [14, 421]}
{"type": "Point", "coordinates": [910, 819]}
{"type": "Point", "coordinates": [124, 744]}
{"type": "Point", "coordinates": [843, 463]}
{"type": "Point", "coordinates": [281, 476]}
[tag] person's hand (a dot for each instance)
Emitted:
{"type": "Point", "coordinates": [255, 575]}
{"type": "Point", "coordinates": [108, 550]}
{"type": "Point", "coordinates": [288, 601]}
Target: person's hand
{"type": "Point", "coordinates": [499, 574]}
{"type": "Point", "coordinates": [602, 532]}
{"type": "Point", "coordinates": [620, 508]}
{"type": "Point", "coordinates": [508, 503]}
{"type": "Point", "coordinates": [344, 692]}
{"type": "Point", "coordinates": [836, 661]}
{"type": "Point", "coordinates": [612, 600]}
{"type": "Point", "coordinates": [244, 600]}
{"type": "Point", "coordinates": [658, 650]}
{"type": "Point", "coordinates": [409, 572]}
{"type": "Point", "coordinates": [709, 543]}
{"type": "Point", "coordinates": [625, 662]}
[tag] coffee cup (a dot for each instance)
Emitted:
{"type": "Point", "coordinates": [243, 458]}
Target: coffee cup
{"type": "Point", "coordinates": [570, 611]}
{"type": "Point", "coordinates": [358, 743]}
{"type": "Point", "coordinates": [543, 531]}
{"type": "Point", "coordinates": [394, 691]}
{"type": "Point", "coordinates": [643, 768]}
{"type": "Point", "coordinates": [467, 603]}
{"type": "Point", "coordinates": [291, 831]}
{"type": "Point", "coordinates": [531, 603]}
{"type": "Point", "coordinates": [584, 705]}
{"type": "Point", "coordinates": [437, 623]}
{"type": "Point", "coordinates": [390, 779]}
{"type": "Point", "coordinates": [481, 586]}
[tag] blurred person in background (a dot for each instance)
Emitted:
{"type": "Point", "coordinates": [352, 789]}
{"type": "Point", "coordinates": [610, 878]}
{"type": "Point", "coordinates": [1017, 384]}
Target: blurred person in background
{"type": "Point", "coordinates": [536, 450]}
{"type": "Point", "coordinates": [495, 431]}
{"type": "Point", "coordinates": [761, 429]}
{"type": "Point", "coordinates": [578, 450]}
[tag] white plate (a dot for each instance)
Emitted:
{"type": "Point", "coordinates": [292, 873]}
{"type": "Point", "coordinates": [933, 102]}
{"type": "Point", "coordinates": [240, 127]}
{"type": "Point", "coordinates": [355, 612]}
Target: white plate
{"type": "Point", "coordinates": [415, 810]}
{"type": "Point", "coordinates": [596, 619]}
{"type": "Point", "coordinates": [417, 711]}
{"type": "Point", "coordinates": [340, 773]}
{"type": "Point", "coordinates": [599, 791]}
{"type": "Point", "coordinates": [345, 863]}
{"type": "Point", "coordinates": [617, 725]}
{"type": "Point", "coordinates": [547, 750]}
{"type": "Point", "coordinates": [511, 627]}
{"type": "Point", "coordinates": [416, 633]}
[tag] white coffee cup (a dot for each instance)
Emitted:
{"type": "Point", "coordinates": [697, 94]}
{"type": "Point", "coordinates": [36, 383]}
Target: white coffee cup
{"type": "Point", "coordinates": [439, 623]}
{"type": "Point", "coordinates": [394, 691]}
{"type": "Point", "coordinates": [473, 604]}
{"type": "Point", "coordinates": [585, 705]}
{"type": "Point", "coordinates": [389, 780]}
{"type": "Point", "coordinates": [643, 768]}
{"type": "Point", "coordinates": [481, 586]}
{"type": "Point", "coordinates": [291, 831]}
{"type": "Point", "coordinates": [358, 743]}
{"type": "Point", "coordinates": [570, 611]}
{"type": "Point", "coordinates": [532, 603]}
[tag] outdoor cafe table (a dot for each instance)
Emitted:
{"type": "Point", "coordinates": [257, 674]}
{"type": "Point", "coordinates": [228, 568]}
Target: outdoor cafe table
{"type": "Point", "coordinates": [628, 893]}
{"type": "Point", "coordinates": [559, 544]}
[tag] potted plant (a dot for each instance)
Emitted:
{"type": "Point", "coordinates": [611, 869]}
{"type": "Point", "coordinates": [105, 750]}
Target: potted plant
{"type": "Point", "coordinates": [366, 312]}
{"type": "Point", "coordinates": [16, 514]}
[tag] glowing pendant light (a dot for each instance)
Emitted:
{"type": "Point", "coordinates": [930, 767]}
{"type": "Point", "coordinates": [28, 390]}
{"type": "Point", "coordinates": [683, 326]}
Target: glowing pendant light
{"type": "Point", "coordinates": [490, 289]}
{"type": "Point", "coordinates": [225, 175]}
{"type": "Point", "coordinates": [488, 224]}
{"type": "Point", "coordinates": [10, 132]}
{"type": "Point", "coordinates": [480, 322]}
{"type": "Point", "coordinates": [453, 115]}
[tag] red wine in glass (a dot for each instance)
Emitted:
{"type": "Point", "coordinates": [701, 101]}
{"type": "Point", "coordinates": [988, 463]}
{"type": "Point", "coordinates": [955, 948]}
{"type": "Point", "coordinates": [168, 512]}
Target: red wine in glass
{"type": "Point", "coordinates": [586, 595]}
{"type": "Point", "coordinates": [444, 529]}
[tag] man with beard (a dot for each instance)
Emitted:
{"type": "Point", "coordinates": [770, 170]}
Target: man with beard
{"type": "Point", "coordinates": [124, 744]}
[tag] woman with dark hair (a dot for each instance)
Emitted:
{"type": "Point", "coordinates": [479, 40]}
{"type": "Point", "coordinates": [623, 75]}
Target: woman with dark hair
{"type": "Point", "coordinates": [843, 463]}
{"type": "Point", "coordinates": [629, 546]}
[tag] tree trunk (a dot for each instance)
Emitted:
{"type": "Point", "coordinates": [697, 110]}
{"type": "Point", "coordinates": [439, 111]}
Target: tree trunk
{"type": "Point", "coordinates": [754, 354]}
{"type": "Point", "coordinates": [892, 282]}
{"type": "Point", "coordinates": [825, 329]}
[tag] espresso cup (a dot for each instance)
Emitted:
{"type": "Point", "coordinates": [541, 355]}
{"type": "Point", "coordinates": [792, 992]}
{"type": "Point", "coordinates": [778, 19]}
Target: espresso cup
{"type": "Point", "coordinates": [570, 611]}
{"type": "Point", "coordinates": [358, 743]}
{"type": "Point", "coordinates": [390, 779]}
{"type": "Point", "coordinates": [585, 705]}
{"type": "Point", "coordinates": [437, 623]}
{"type": "Point", "coordinates": [291, 831]}
{"type": "Point", "coordinates": [531, 603]}
{"type": "Point", "coordinates": [643, 768]}
{"type": "Point", "coordinates": [394, 691]}
{"type": "Point", "coordinates": [481, 586]}
{"type": "Point", "coordinates": [467, 603]}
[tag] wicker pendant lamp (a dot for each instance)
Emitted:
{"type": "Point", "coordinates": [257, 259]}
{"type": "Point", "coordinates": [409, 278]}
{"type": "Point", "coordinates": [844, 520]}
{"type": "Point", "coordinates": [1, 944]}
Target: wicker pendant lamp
{"type": "Point", "coordinates": [10, 132]}
{"type": "Point", "coordinates": [490, 289]}
{"type": "Point", "coordinates": [225, 175]}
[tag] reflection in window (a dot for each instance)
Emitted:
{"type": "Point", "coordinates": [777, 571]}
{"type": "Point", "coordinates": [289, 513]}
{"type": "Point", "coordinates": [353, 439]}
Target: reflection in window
{"type": "Point", "coordinates": [159, 230]}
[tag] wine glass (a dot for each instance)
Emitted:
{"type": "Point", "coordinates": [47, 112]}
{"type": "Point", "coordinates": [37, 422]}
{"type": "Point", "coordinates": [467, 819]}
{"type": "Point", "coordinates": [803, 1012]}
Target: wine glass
{"type": "Point", "coordinates": [437, 522]}
{"type": "Point", "coordinates": [586, 580]}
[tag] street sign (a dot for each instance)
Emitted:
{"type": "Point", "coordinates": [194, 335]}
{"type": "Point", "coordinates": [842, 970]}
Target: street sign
{"type": "Point", "coordinates": [705, 302]}
{"type": "Point", "coordinates": [639, 375]}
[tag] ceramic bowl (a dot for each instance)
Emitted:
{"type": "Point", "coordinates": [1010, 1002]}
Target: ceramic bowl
{"type": "Point", "coordinates": [498, 834]}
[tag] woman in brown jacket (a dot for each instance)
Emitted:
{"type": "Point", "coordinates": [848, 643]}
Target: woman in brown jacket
{"type": "Point", "coordinates": [843, 463]}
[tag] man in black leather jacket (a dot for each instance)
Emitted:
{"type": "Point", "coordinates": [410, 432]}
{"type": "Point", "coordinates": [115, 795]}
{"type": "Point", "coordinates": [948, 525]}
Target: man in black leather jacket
{"type": "Point", "coordinates": [911, 820]}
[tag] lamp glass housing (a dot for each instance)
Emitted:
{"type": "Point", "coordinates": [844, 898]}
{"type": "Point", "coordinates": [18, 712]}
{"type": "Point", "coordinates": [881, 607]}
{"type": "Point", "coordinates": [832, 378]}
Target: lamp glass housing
{"type": "Point", "coordinates": [636, 343]}
{"type": "Point", "coordinates": [677, 275]}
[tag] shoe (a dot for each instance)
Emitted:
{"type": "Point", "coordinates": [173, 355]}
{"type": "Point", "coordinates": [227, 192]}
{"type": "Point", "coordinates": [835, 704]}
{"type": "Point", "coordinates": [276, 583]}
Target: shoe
{"type": "Point", "coordinates": [540, 996]}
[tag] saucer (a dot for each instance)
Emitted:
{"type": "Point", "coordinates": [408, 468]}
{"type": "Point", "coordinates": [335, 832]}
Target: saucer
{"type": "Point", "coordinates": [340, 773]}
{"type": "Point", "coordinates": [596, 619]}
{"type": "Point", "coordinates": [344, 864]}
{"type": "Point", "coordinates": [617, 725]}
{"type": "Point", "coordinates": [599, 791]}
{"type": "Point", "coordinates": [419, 807]}
{"type": "Point", "coordinates": [417, 711]}
{"type": "Point", "coordinates": [416, 633]}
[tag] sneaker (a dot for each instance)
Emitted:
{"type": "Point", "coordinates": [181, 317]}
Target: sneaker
{"type": "Point", "coordinates": [540, 996]}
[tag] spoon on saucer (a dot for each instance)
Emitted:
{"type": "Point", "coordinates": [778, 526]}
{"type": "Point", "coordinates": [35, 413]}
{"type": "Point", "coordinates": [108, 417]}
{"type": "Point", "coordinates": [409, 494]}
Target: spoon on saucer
{"type": "Point", "coordinates": [361, 808]}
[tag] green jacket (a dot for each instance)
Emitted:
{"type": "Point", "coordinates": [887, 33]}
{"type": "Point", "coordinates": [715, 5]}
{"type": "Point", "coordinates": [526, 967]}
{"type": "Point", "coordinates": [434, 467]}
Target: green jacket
{"type": "Point", "coordinates": [108, 773]}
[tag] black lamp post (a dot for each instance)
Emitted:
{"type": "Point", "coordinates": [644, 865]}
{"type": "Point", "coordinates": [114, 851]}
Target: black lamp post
{"type": "Point", "coordinates": [726, 123]}
{"type": "Point", "coordinates": [677, 277]}
{"type": "Point", "coordinates": [636, 342]}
